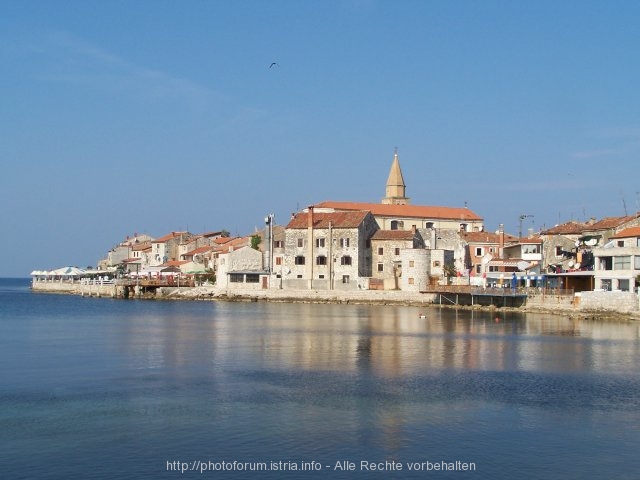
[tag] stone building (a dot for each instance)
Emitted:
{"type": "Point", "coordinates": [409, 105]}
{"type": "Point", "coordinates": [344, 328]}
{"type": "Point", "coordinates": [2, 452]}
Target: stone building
{"type": "Point", "coordinates": [328, 251]}
{"type": "Point", "coordinates": [387, 258]}
{"type": "Point", "coordinates": [617, 264]}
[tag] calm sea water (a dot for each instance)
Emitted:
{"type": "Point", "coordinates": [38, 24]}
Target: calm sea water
{"type": "Point", "coordinates": [101, 388]}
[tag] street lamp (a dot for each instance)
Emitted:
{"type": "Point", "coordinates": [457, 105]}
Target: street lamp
{"type": "Point", "coordinates": [268, 220]}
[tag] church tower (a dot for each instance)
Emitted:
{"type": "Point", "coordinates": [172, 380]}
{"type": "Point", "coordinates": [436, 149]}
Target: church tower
{"type": "Point", "coordinates": [395, 193]}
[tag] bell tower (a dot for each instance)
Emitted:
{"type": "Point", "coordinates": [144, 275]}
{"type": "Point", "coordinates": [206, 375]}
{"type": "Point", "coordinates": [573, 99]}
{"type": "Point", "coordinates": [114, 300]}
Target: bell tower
{"type": "Point", "coordinates": [395, 192]}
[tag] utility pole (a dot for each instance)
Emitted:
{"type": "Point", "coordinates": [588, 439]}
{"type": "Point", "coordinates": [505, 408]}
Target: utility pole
{"type": "Point", "coordinates": [522, 217]}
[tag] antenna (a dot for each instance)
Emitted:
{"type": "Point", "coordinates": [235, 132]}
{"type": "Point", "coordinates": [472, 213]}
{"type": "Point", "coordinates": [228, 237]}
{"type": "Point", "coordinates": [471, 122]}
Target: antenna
{"type": "Point", "coordinates": [624, 204]}
{"type": "Point", "coordinates": [522, 217]}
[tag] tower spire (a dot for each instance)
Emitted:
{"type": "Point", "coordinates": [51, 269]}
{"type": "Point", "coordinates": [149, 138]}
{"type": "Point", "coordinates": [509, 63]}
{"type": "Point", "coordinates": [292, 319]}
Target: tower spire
{"type": "Point", "coordinates": [396, 188]}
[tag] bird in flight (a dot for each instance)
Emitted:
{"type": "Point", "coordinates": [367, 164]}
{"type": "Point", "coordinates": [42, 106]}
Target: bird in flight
{"type": "Point", "coordinates": [274, 64]}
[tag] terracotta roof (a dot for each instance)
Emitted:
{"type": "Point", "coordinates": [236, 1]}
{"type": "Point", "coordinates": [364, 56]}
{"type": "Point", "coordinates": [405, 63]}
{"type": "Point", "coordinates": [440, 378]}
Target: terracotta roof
{"type": "Point", "coordinates": [223, 240]}
{"type": "Point", "coordinates": [198, 250]}
{"type": "Point", "coordinates": [393, 235]}
{"type": "Point", "coordinates": [351, 219]}
{"type": "Point", "coordinates": [568, 228]}
{"type": "Point", "coordinates": [411, 211]}
{"type": "Point", "coordinates": [628, 232]}
{"type": "Point", "coordinates": [487, 237]}
{"type": "Point", "coordinates": [168, 237]}
{"type": "Point", "coordinates": [611, 222]}
{"type": "Point", "coordinates": [528, 240]}
{"type": "Point", "coordinates": [174, 263]}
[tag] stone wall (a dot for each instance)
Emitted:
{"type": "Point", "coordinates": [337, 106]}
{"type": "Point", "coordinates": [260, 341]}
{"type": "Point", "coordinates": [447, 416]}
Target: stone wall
{"type": "Point", "coordinates": [621, 302]}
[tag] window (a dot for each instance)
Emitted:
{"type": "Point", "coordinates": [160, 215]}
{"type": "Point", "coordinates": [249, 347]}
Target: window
{"type": "Point", "coordinates": [479, 251]}
{"type": "Point", "coordinates": [380, 251]}
{"type": "Point", "coordinates": [319, 242]}
{"type": "Point", "coordinates": [278, 244]}
{"type": "Point", "coordinates": [620, 243]}
{"type": "Point", "coordinates": [345, 260]}
{"type": "Point", "coordinates": [410, 281]}
{"type": "Point", "coordinates": [381, 267]}
{"type": "Point", "coordinates": [301, 242]}
{"type": "Point", "coordinates": [623, 284]}
{"type": "Point", "coordinates": [493, 268]}
{"type": "Point", "coordinates": [397, 224]}
{"type": "Point", "coordinates": [299, 260]}
{"type": "Point", "coordinates": [428, 225]}
{"type": "Point", "coordinates": [622, 263]}
{"type": "Point", "coordinates": [397, 252]}
{"type": "Point", "coordinates": [345, 279]}
{"type": "Point", "coordinates": [236, 278]}
{"type": "Point", "coordinates": [320, 276]}
{"type": "Point", "coordinates": [344, 242]}
{"type": "Point", "coordinates": [411, 263]}
{"type": "Point", "coordinates": [478, 269]}
{"type": "Point", "coordinates": [558, 251]}
{"type": "Point", "coordinates": [436, 263]}
{"type": "Point", "coordinates": [278, 260]}
{"type": "Point", "coordinates": [298, 276]}
{"type": "Point", "coordinates": [463, 227]}
{"type": "Point", "coordinates": [252, 278]}
{"type": "Point", "coordinates": [636, 262]}
{"type": "Point", "coordinates": [321, 260]}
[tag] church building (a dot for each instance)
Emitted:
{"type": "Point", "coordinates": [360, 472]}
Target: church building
{"type": "Point", "coordinates": [395, 211]}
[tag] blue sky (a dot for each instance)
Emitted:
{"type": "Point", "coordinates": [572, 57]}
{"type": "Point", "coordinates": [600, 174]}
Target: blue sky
{"type": "Point", "coordinates": [152, 116]}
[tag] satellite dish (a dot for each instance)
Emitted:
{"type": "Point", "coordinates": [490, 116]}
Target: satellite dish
{"type": "Point", "coordinates": [577, 265]}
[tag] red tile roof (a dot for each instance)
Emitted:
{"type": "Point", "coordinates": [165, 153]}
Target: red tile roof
{"type": "Point", "coordinates": [488, 237]}
{"type": "Point", "coordinates": [627, 233]}
{"type": "Point", "coordinates": [174, 263]}
{"type": "Point", "coordinates": [168, 237]}
{"type": "Point", "coordinates": [351, 219]}
{"type": "Point", "coordinates": [528, 240]}
{"type": "Point", "coordinates": [611, 222]}
{"type": "Point", "coordinates": [198, 250]}
{"type": "Point", "coordinates": [410, 211]}
{"type": "Point", "coordinates": [568, 228]}
{"type": "Point", "coordinates": [393, 235]}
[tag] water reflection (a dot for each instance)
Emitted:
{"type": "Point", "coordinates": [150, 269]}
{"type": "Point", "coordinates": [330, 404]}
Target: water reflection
{"type": "Point", "coordinates": [384, 341]}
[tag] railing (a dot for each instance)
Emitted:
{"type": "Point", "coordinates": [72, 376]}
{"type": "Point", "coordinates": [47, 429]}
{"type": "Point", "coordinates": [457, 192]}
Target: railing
{"type": "Point", "coordinates": [497, 291]}
{"type": "Point", "coordinates": [155, 282]}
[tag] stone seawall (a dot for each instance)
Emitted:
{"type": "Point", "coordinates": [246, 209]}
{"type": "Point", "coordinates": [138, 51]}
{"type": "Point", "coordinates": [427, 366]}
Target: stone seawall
{"type": "Point", "coordinates": [75, 288]}
{"type": "Point", "coordinates": [585, 303]}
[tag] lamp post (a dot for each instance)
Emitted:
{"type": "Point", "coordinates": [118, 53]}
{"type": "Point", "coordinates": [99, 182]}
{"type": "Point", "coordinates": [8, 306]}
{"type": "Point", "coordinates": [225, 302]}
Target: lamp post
{"type": "Point", "coordinates": [268, 220]}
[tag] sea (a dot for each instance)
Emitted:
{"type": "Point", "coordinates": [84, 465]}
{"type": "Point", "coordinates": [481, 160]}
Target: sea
{"type": "Point", "coordinates": [101, 388]}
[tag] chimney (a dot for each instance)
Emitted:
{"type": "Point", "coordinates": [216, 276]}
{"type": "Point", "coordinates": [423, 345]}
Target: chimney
{"type": "Point", "coordinates": [310, 217]}
{"type": "Point", "coordinates": [500, 239]}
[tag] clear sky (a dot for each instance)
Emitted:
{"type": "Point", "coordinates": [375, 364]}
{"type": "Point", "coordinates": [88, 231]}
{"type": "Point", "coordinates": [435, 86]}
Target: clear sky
{"type": "Point", "coordinates": [142, 116]}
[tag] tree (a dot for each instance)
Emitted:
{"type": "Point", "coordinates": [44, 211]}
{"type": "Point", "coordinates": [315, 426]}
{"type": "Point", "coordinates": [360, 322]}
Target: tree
{"type": "Point", "coordinates": [449, 269]}
{"type": "Point", "coordinates": [255, 241]}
